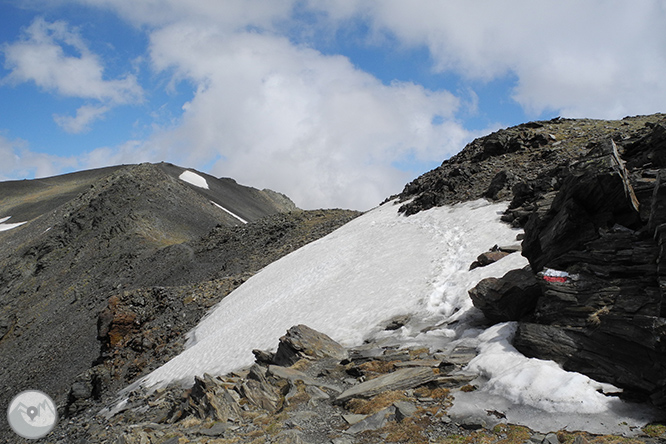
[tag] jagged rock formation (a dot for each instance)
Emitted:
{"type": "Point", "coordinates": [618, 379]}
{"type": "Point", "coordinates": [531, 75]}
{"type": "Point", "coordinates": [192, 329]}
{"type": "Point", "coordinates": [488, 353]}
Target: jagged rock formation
{"type": "Point", "coordinates": [599, 223]}
{"type": "Point", "coordinates": [328, 394]}
{"type": "Point", "coordinates": [373, 394]}
{"type": "Point", "coordinates": [529, 157]}
{"type": "Point", "coordinates": [115, 265]}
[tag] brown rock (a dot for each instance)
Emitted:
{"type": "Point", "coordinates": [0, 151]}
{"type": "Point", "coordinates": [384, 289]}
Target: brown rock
{"type": "Point", "coordinates": [488, 258]}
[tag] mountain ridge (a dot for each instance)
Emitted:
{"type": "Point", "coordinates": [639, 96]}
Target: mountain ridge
{"type": "Point", "coordinates": [104, 232]}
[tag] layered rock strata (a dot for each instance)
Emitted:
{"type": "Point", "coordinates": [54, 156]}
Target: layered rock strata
{"type": "Point", "coordinates": [596, 246]}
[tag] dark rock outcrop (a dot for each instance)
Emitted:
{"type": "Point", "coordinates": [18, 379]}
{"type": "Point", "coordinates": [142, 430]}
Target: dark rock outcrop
{"type": "Point", "coordinates": [608, 321]}
{"type": "Point", "coordinates": [601, 227]}
{"type": "Point", "coordinates": [509, 298]}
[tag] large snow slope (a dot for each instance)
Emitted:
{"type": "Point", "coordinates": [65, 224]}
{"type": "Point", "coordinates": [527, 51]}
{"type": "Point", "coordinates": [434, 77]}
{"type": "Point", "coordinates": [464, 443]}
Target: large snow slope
{"type": "Point", "coordinates": [382, 264]}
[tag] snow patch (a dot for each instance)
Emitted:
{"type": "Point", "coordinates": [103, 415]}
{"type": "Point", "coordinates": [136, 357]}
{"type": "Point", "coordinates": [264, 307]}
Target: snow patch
{"type": "Point", "coordinates": [540, 393]}
{"type": "Point", "coordinates": [194, 179]}
{"type": "Point", "coordinates": [229, 212]}
{"type": "Point", "coordinates": [377, 266]}
{"type": "Point", "coordinates": [380, 265]}
{"type": "Point", "coordinates": [5, 227]}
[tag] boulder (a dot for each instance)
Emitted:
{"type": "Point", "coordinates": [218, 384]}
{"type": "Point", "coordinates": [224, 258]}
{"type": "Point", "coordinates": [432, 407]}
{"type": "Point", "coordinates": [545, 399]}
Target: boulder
{"type": "Point", "coordinates": [303, 342]}
{"type": "Point", "coordinates": [488, 258]}
{"type": "Point", "coordinates": [398, 380]}
{"type": "Point", "coordinates": [509, 298]}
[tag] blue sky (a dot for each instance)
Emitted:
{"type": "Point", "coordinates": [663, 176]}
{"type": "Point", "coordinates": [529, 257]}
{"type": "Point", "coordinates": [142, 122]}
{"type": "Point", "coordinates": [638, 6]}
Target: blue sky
{"type": "Point", "coordinates": [336, 103]}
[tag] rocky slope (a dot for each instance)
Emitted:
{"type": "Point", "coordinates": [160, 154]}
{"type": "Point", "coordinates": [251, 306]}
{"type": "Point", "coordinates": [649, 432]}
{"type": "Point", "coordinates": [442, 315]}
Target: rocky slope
{"type": "Point", "coordinates": [77, 281]}
{"type": "Point", "coordinates": [312, 390]}
{"type": "Point", "coordinates": [533, 154]}
{"type": "Point", "coordinates": [595, 243]}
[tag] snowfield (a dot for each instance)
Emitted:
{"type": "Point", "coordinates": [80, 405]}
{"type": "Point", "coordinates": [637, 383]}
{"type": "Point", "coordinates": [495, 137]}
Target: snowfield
{"type": "Point", "coordinates": [380, 265]}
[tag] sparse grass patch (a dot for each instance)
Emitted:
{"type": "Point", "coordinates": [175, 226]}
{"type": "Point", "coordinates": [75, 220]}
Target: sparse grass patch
{"type": "Point", "coordinates": [479, 437]}
{"type": "Point", "coordinates": [376, 403]}
{"type": "Point", "coordinates": [378, 366]}
{"type": "Point", "coordinates": [220, 441]}
{"type": "Point", "coordinates": [468, 388]}
{"type": "Point", "coordinates": [262, 419]}
{"type": "Point", "coordinates": [655, 430]}
{"type": "Point", "coordinates": [514, 433]}
{"type": "Point", "coordinates": [453, 439]}
{"type": "Point", "coordinates": [257, 434]}
{"type": "Point", "coordinates": [190, 421]}
{"type": "Point", "coordinates": [570, 437]}
{"type": "Point", "coordinates": [434, 393]}
{"type": "Point", "coordinates": [301, 364]}
{"type": "Point", "coordinates": [415, 353]}
{"type": "Point", "coordinates": [273, 428]}
{"type": "Point", "coordinates": [298, 398]}
{"type": "Point", "coordinates": [409, 430]}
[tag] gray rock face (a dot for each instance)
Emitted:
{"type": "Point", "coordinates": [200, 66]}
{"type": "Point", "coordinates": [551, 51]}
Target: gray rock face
{"type": "Point", "coordinates": [509, 298]}
{"type": "Point", "coordinates": [602, 312]}
{"type": "Point", "coordinates": [374, 422]}
{"type": "Point", "coordinates": [400, 379]}
{"type": "Point", "coordinates": [301, 341]}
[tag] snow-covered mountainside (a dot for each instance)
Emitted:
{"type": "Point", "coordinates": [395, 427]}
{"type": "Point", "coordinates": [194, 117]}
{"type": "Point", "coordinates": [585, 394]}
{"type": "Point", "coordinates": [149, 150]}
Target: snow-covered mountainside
{"type": "Point", "coordinates": [350, 283]}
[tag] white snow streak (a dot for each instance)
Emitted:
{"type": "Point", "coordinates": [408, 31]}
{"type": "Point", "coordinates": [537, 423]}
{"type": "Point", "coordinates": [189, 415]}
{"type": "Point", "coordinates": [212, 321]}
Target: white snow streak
{"type": "Point", "coordinates": [194, 179]}
{"type": "Point", "coordinates": [232, 214]}
{"type": "Point", "coordinates": [5, 227]}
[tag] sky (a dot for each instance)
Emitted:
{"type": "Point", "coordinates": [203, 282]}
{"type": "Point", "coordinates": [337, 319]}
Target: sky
{"type": "Point", "coordinates": [336, 103]}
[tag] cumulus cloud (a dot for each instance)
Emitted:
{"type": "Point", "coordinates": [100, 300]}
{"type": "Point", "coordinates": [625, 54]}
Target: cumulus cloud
{"type": "Point", "coordinates": [227, 14]}
{"type": "Point", "coordinates": [596, 58]}
{"type": "Point", "coordinates": [85, 115]}
{"type": "Point", "coordinates": [57, 60]}
{"type": "Point", "coordinates": [292, 119]}
{"type": "Point", "coordinates": [271, 111]}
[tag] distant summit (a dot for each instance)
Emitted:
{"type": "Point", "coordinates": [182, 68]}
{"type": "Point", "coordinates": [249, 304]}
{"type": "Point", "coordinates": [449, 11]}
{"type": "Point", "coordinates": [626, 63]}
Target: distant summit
{"type": "Point", "coordinates": [25, 200]}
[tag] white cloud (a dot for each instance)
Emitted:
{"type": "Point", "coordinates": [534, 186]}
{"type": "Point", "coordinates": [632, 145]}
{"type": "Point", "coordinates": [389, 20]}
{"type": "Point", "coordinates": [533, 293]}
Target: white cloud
{"type": "Point", "coordinates": [85, 115]}
{"type": "Point", "coordinates": [42, 56]}
{"type": "Point", "coordinates": [595, 58]}
{"type": "Point", "coordinates": [274, 113]}
{"type": "Point", "coordinates": [228, 14]}
{"type": "Point", "coordinates": [292, 119]}
{"type": "Point", "coordinates": [19, 162]}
